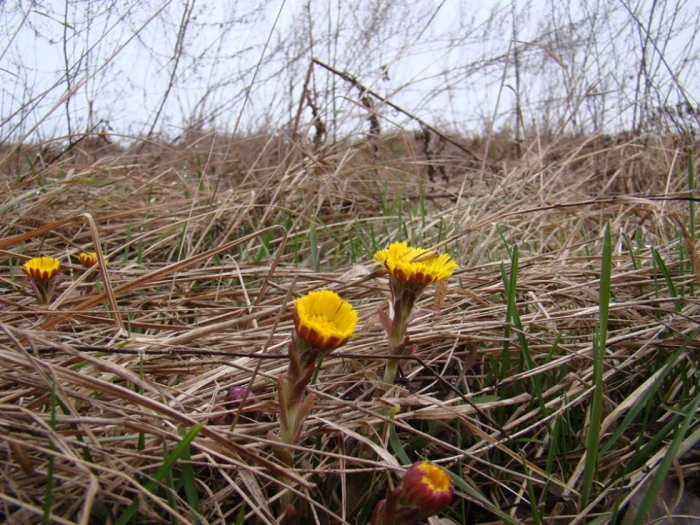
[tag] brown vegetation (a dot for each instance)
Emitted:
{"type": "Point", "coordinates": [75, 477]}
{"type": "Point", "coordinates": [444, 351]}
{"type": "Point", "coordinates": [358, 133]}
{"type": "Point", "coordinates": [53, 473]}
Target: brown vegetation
{"type": "Point", "coordinates": [208, 239]}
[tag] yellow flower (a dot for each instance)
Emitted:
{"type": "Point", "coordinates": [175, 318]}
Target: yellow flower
{"type": "Point", "coordinates": [88, 259]}
{"type": "Point", "coordinates": [323, 320]}
{"type": "Point", "coordinates": [43, 272]}
{"type": "Point", "coordinates": [426, 487]}
{"type": "Point", "coordinates": [415, 265]}
{"type": "Point", "coordinates": [42, 268]}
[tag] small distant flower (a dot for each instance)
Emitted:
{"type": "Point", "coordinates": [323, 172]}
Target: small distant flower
{"type": "Point", "coordinates": [88, 259]}
{"type": "Point", "coordinates": [323, 320]}
{"type": "Point", "coordinates": [426, 487]}
{"type": "Point", "coordinates": [415, 265]}
{"type": "Point", "coordinates": [43, 272]}
{"type": "Point", "coordinates": [424, 491]}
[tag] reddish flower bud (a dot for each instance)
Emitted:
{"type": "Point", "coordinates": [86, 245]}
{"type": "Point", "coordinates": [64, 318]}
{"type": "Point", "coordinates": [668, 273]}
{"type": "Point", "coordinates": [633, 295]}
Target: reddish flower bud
{"type": "Point", "coordinates": [235, 394]}
{"type": "Point", "coordinates": [426, 487]}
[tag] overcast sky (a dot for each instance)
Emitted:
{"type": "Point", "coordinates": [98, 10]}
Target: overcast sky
{"type": "Point", "coordinates": [135, 67]}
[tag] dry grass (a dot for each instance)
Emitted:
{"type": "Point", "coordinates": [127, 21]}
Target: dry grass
{"type": "Point", "coordinates": [208, 242]}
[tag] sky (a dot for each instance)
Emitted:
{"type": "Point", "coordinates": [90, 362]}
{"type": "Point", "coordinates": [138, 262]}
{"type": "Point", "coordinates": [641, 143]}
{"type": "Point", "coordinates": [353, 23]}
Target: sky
{"type": "Point", "coordinates": [136, 68]}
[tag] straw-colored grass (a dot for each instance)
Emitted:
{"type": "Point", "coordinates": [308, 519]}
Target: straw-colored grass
{"type": "Point", "coordinates": [207, 248]}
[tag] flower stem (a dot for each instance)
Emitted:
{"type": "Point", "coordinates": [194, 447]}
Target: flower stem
{"type": "Point", "coordinates": [392, 366]}
{"type": "Point", "coordinates": [397, 343]}
{"type": "Point", "coordinates": [288, 427]}
{"type": "Point", "coordinates": [295, 405]}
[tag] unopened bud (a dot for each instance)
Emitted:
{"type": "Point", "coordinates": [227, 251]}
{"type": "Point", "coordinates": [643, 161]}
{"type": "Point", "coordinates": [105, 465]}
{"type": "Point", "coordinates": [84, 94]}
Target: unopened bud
{"type": "Point", "coordinates": [235, 395]}
{"type": "Point", "coordinates": [426, 487]}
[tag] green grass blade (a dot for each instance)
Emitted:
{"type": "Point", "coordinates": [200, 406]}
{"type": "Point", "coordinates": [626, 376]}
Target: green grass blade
{"type": "Point", "coordinates": [317, 369]}
{"type": "Point", "coordinates": [631, 250]}
{"type": "Point", "coordinates": [508, 284]}
{"type": "Point", "coordinates": [648, 449]}
{"type": "Point", "coordinates": [513, 317]}
{"type": "Point", "coordinates": [141, 444]}
{"type": "Point", "coordinates": [504, 241]}
{"type": "Point", "coordinates": [168, 488]}
{"type": "Point", "coordinates": [474, 493]}
{"type": "Point", "coordinates": [641, 402]}
{"type": "Point", "coordinates": [127, 242]}
{"type": "Point", "coordinates": [264, 250]}
{"type": "Point", "coordinates": [665, 465]}
{"type": "Point", "coordinates": [536, 513]}
{"type": "Point", "coordinates": [241, 515]}
{"type": "Point", "coordinates": [691, 203]}
{"type": "Point", "coordinates": [181, 449]}
{"type": "Point", "coordinates": [667, 276]}
{"type": "Point", "coordinates": [397, 447]}
{"type": "Point", "coordinates": [423, 209]}
{"type": "Point", "coordinates": [189, 480]}
{"type": "Point", "coordinates": [604, 294]}
{"type": "Point", "coordinates": [599, 342]}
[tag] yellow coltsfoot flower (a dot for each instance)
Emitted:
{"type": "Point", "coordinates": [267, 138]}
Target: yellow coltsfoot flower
{"type": "Point", "coordinates": [322, 323]}
{"type": "Point", "coordinates": [411, 270]}
{"type": "Point", "coordinates": [88, 259]}
{"type": "Point", "coordinates": [415, 266]}
{"type": "Point", "coordinates": [323, 320]}
{"type": "Point", "coordinates": [43, 272]}
{"type": "Point", "coordinates": [42, 268]}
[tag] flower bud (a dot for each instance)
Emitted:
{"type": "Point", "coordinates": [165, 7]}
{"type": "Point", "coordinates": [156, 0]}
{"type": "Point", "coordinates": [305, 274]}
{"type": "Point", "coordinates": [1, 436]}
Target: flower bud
{"type": "Point", "coordinates": [235, 394]}
{"type": "Point", "coordinates": [426, 487]}
{"type": "Point", "coordinates": [234, 397]}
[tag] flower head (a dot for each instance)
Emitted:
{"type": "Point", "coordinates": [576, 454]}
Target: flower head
{"type": "Point", "coordinates": [425, 490]}
{"type": "Point", "coordinates": [42, 268]}
{"type": "Point", "coordinates": [426, 487]}
{"type": "Point", "coordinates": [44, 277]}
{"type": "Point", "coordinates": [88, 259]}
{"type": "Point", "coordinates": [415, 265]}
{"type": "Point", "coordinates": [323, 320]}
